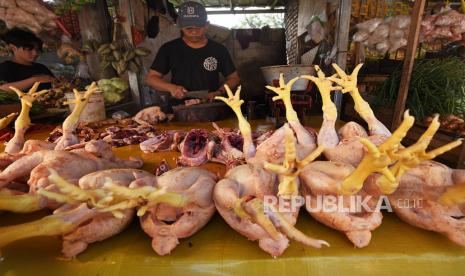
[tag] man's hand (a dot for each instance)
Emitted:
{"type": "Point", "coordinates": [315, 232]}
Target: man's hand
{"type": "Point", "coordinates": [178, 91]}
{"type": "Point", "coordinates": [212, 95]}
{"type": "Point", "coordinates": [43, 78]}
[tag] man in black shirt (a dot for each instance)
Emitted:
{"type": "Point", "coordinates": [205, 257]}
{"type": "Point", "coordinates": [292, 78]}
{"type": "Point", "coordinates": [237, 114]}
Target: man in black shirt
{"type": "Point", "coordinates": [193, 60]}
{"type": "Point", "coordinates": [21, 71]}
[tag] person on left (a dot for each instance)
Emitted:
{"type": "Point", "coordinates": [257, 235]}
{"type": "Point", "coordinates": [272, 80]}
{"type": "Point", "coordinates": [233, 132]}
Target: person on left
{"type": "Point", "coordinates": [22, 71]}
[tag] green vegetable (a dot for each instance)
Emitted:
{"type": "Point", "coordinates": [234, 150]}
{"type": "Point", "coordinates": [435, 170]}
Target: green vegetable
{"type": "Point", "coordinates": [104, 82]}
{"type": "Point", "coordinates": [112, 97]}
{"type": "Point", "coordinates": [119, 83]}
{"type": "Point", "coordinates": [8, 97]}
{"type": "Point", "coordinates": [436, 86]}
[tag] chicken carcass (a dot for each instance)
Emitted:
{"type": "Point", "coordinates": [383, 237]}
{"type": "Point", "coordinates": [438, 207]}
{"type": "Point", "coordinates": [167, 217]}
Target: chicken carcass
{"type": "Point", "coordinates": [239, 197]}
{"type": "Point", "coordinates": [322, 179]}
{"type": "Point", "coordinates": [228, 150]}
{"type": "Point", "coordinates": [70, 124]}
{"type": "Point", "coordinates": [419, 200]}
{"type": "Point", "coordinates": [166, 224]}
{"type": "Point", "coordinates": [194, 148]}
{"type": "Point", "coordinates": [167, 140]}
{"type": "Point", "coordinates": [72, 165]}
{"type": "Point", "coordinates": [99, 209]}
{"type": "Point", "coordinates": [344, 145]}
{"type": "Point", "coordinates": [103, 225]}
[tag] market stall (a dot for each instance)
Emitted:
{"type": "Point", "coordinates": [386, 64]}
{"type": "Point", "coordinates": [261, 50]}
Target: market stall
{"type": "Point", "coordinates": [216, 185]}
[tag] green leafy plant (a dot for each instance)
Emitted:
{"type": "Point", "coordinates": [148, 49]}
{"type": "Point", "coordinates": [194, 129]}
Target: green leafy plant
{"type": "Point", "coordinates": [71, 5]}
{"type": "Point", "coordinates": [436, 86]}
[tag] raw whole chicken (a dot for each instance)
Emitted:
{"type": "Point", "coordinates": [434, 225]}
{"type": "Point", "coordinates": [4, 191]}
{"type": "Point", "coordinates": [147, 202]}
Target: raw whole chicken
{"type": "Point", "coordinates": [109, 207]}
{"type": "Point", "coordinates": [104, 225]}
{"type": "Point", "coordinates": [239, 197]}
{"type": "Point", "coordinates": [344, 146]}
{"type": "Point", "coordinates": [72, 165]}
{"type": "Point", "coordinates": [167, 224]}
{"type": "Point", "coordinates": [417, 201]}
{"type": "Point", "coordinates": [323, 178]}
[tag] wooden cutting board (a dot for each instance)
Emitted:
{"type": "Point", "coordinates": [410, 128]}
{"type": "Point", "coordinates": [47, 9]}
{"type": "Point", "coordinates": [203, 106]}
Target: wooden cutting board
{"type": "Point", "coordinates": [206, 112]}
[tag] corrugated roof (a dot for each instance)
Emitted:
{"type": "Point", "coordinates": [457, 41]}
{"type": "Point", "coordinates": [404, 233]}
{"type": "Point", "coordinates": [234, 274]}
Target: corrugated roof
{"type": "Point", "coordinates": [240, 3]}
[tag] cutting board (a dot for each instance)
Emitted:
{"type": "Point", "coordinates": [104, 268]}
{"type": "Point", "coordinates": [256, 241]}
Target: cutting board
{"type": "Point", "coordinates": [206, 112]}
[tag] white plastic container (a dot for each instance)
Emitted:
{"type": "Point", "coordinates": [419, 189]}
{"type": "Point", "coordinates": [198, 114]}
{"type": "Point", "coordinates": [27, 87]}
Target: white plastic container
{"type": "Point", "coordinates": [94, 110]}
{"type": "Point", "coordinates": [290, 71]}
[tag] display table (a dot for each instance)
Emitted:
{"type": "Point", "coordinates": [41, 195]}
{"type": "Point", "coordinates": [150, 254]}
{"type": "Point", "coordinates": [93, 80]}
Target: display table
{"type": "Point", "coordinates": [396, 247]}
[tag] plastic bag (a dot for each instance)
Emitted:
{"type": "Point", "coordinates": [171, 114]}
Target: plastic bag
{"type": "Point", "coordinates": [397, 44]}
{"type": "Point", "coordinates": [361, 36]}
{"type": "Point", "coordinates": [369, 25]}
{"type": "Point", "coordinates": [316, 29]}
{"type": "Point", "coordinates": [382, 47]}
{"type": "Point", "coordinates": [82, 70]}
{"type": "Point", "coordinates": [448, 18]}
{"type": "Point", "coordinates": [379, 35]}
{"type": "Point", "coordinates": [400, 22]}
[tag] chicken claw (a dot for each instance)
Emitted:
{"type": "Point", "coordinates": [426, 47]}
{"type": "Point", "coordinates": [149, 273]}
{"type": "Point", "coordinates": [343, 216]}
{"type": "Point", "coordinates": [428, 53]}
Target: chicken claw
{"type": "Point", "coordinates": [412, 156]}
{"type": "Point", "coordinates": [270, 219]}
{"type": "Point", "coordinates": [325, 87]}
{"type": "Point", "coordinates": [4, 122]}
{"type": "Point", "coordinates": [284, 94]}
{"type": "Point", "coordinates": [453, 195]}
{"type": "Point", "coordinates": [349, 84]}
{"type": "Point", "coordinates": [377, 159]}
{"type": "Point", "coordinates": [23, 122]}
{"type": "Point", "coordinates": [69, 125]}
{"type": "Point", "coordinates": [147, 196]}
{"type": "Point", "coordinates": [254, 208]}
{"type": "Point", "coordinates": [22, 203]}
{"type": "Point", "coordinates": [234, 102]}
{"type": "Point", "coordinates": [291, 167]}
{"type": "Point", "coordinates": [53, 225]}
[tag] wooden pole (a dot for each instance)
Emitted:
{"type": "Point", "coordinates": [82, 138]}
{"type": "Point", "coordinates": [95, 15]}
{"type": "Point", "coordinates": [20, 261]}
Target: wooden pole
{"type": "Point", "coordinates": [342, 42]}
{"type": "Point", "coordinates": [409, 59]}
{"type": "Point", "coordinates": [94, 22]}
{"type": "Point", "coordinates": [125, 11]}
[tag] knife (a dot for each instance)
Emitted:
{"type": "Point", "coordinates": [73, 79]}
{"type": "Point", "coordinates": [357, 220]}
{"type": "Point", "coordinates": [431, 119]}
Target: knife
{"type": "Point", "coordinates": [198, 94]}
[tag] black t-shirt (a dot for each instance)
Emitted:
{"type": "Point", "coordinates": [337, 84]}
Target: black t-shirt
{"type": "Point", "coordinates": [194, 69]}
{"type": "Point", "coordinates": [11, 72]}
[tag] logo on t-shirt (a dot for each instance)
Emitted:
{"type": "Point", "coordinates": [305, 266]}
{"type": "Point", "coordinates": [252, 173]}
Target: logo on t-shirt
{"type": "Point", "coordinates": [210, 64]}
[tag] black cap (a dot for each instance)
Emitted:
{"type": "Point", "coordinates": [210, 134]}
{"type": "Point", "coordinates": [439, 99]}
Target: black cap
{"type": "Point", "coordinates": [192, 14]}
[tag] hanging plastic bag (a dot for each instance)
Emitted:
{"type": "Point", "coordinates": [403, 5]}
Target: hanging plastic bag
{"type": "Point", "coordinates": [369, 25]}
{"type": "Point", "coordinates": [316, 29]}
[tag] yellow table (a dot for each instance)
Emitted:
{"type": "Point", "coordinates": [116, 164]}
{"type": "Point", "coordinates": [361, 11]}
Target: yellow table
{"type": "Point", "coordinates": [396, 247]}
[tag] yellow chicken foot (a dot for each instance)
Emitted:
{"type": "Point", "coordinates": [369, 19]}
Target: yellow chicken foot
{"type": "Point", "coordinates": [23, 203]}
{"type": "Point", "coordinates": [325, 87]}
{"type": "Point", "coordinates": [377, 159]}
{"type": "Point", "coordinates": [454, 195]}
{"type": "Point", "coordinates": [348, 83]}
{"type": "Point", "coordinates": [53, 225]}
{"type": "Point", "coordinates": [412, 156]}
{"type": "Point", "coordinates": [143, 197]}
{"type": "Point", "coordinates": [284, 94]}
{"type": "Point", "coordinates": [234, 102]}
{"type": "Point", "coordinates": [71, 122]}
{"type": "Point", "coordinates": [255, 210]}
{"type": "Point", "coordinates": [23, 122]}
{"type": "Point", "coordinates": [4, 122]}
{"type": "Point", "coordinates": [291, 167]}
{"type": "Point", "coordinates": [293, 233]}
